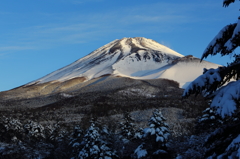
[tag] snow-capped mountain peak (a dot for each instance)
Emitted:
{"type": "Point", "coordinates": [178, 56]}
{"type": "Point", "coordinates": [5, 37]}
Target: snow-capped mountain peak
{"type": "Point", "coordinates": [138, 58]}
{"type": "Point", "coordinates": [139, 53]}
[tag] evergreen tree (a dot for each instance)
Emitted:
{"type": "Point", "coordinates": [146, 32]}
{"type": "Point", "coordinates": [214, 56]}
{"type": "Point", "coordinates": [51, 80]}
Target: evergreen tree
{"type": "Point", "coordinates": [10, 129]}
{"type": "Point", "coordinates": [138, 133]}
{"type": "Point", "coordinates": [93, 145]}
{"type": "Point", "coordinates": [210, 120]}
{"type": "Point", "coordinates": [128, 137]}
{"type": "Point", "coordinates": [34, 130]}
{"type": "Point", "coordinates": [59, 139]}
{"type": "Point", "coordinates": [140, 152]}
{"type": "Point", "coordinates": [53, 133]}
{"type": "Point", "coordinates": [215, 84]}
{"type": "Point", "coordinates": [25, 140]}
{"type": "Point", "coordinates": [75, 141]}
{"type": "Point", "coordinates": [158, 129]}
{"type": "Point", "coordinates": [127, 127]}
{"type": "Point", "coordinates": [155, 138]}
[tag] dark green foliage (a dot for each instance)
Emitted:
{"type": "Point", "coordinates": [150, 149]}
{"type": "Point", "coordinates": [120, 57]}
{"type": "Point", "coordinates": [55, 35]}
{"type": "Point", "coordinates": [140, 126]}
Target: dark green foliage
{"type": "Point", "coordinates": [127, 127]}
{"type": "Point", "coordinates": [209, 121]}
{"type": "Point", "coordinates": [218, 141]}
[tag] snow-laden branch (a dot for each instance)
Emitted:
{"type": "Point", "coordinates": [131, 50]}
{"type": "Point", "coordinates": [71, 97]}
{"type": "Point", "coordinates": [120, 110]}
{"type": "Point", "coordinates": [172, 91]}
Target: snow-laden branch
{"type": "Point", "coordinates": [225, 99]}
{"type": "Point", "coordinates": [222, 41]}
{"type": "Point", "coordinates": [233, 42]}
{"type": "Point", "coordinates": [209, 79]}
{"type": "Point", "coordinates": [235, 145]}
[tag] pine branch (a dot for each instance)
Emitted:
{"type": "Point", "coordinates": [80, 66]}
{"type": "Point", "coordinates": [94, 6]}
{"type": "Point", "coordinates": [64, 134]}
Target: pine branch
{"type": "Point", "coordinates": [208, 82]}
{"type": "Point", "coordinates": [227, 2]}
{"type": "Point", "coordinates": [217, 45]}
{"type": "Point", "coordinates": [213, 79]}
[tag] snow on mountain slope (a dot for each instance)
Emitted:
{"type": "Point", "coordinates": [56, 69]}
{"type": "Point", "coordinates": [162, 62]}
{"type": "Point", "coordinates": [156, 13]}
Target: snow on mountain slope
{"type": "Point", "coordinates": [184, 72]}
{"type": "Point", "coordinates": [137, 58]}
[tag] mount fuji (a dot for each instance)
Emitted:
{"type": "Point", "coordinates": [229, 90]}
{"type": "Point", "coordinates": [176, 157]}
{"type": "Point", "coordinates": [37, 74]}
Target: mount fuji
{"type": "Point", "coordinates": [137, 58]}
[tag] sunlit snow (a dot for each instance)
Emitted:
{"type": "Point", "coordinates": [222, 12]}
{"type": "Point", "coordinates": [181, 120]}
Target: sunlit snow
{"type": "Point", "coordinates": [137, 58]}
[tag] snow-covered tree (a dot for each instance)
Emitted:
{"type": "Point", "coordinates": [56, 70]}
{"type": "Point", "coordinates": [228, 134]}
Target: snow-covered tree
{"type": "Point", "coordinates": [10, 129]}
{"type": "Point", "coordinates": [23, 139]}
{"type": "Point", "coordinates": [139, 133]}
{"type": "Point", "coordinates": [140, 152]}
{"type": "Point", "coordinates": [93, 145]}
{"type": "Point", "coordinates": [209, 120]}
{"type": "Point", "coordinates": [158, 129]}
{"type": "Point", "coordinates": [53, 132]}
{"type": "Point", "coordinates": [155, 138]}
{"type": "Point", "coordinates": [214, 82]}
{"type": "Point", "coordinates": [75, 141]}
{"type": "Point", "coordinates": [128, 137]}
{"type": "Point", "coordinates": [222, 86]}
{"type": "Point", "coordinates": [127, 127]}
{"type": "Point", "coordinates": [34, 130]}
{"type": "Point", "coordinates": [233, 150]}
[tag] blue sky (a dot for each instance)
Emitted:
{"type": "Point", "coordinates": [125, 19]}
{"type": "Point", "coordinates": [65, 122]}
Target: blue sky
{"type": "Point", "coordinates": [41, 36]}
